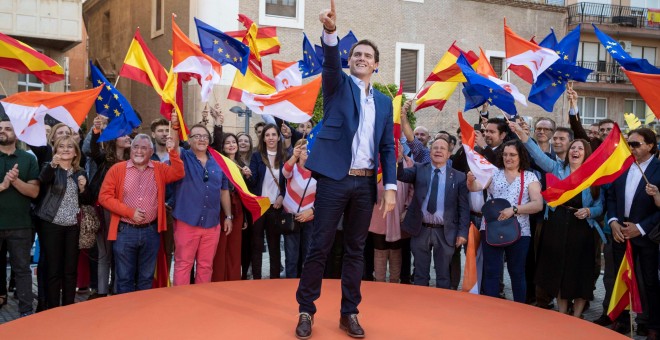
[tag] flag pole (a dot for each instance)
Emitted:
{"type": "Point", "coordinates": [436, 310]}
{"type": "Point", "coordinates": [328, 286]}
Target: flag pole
{"type": "Point", "coordinates": [116, 81]}
{"type": "Point", "coordinates": [385, 84]}
{"type": "Point", "coordinates": [631, 310]}
{"type": "Point", "coordinates": [642, 171]}
{"type": "Point", "coordinates": [3, 89]}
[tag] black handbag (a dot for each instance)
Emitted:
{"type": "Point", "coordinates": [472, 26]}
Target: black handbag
{"type": "Point", "coordinates": [501, 233]}
{"type": "Point", "coordinates": [286, 222]}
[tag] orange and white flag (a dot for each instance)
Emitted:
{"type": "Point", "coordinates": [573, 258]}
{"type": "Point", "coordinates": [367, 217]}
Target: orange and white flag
{"type": "Point", "coordinates": [481, 168]}
{"type": "Point", "coordinates": [533, 58]}
{"type": "Point", "coordinates": [27, 110]}
{"type": "Point", "coordinates": [286, 74]}
{"type": "Point", "coordinates": [295, 104]}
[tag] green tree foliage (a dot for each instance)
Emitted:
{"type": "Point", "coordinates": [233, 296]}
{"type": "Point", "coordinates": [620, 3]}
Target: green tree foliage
{"type": "Point", "coordinates": [389, 90]}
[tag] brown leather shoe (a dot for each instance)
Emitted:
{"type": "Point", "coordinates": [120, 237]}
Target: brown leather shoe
{"type": "Point", "coordinates": [350, 324]}
{"type": "Point", "coordinates": [304, 327]}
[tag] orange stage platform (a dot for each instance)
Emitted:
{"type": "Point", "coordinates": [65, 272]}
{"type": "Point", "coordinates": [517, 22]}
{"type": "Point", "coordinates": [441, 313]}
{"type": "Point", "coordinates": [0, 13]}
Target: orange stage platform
{"type": "Point", "coordinates": [267, 310]}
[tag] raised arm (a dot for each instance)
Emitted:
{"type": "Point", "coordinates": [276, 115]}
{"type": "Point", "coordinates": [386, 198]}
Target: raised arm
{"type": "Point", "coordinates": [542, 160]}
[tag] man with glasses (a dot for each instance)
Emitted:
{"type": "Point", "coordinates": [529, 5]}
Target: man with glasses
{"type": "Point", "coordinates": [134, 192]}
{"type": "Point", "coordinates": [605, 126]}
{"type": "Point", "coordinates": [543, 131]}
{"type": "Point", "coordinates": [198, 197]}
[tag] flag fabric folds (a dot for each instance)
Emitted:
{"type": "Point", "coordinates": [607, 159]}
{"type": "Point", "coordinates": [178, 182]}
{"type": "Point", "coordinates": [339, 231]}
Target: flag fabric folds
{"type": "Point", "coordinates": [18, 57]}
{"type": "Point", "coordinates": [647, 85]}
{"type": "Point", "coordinates": [189, 58]}
{"type": "Point", "coordinates": [312, 135]}
{"type": "Point", "coordinates": [295, 104]}
{"type": "Point", "coordinates": [286, 74]}
{"type": "Point", "coordinates": [473, 262]}
{"type": "Point", "coordinates": [254, 81]}
{"type": "Point", "coordinates": [447, 70]}
{"type": "Point", "coordinates": [484, 68]}
{"type": "Point", "coordinates": [480, 89]}
{"type": "Point", "coordinates": [607, 163]}
{"type": "Point", "coordinates": [625, 294]}
{"type": "Point", "coordinates": [142, 66]}
{"type": "Point", "coordinates": [344, 44]}
{"type": "Point", "coordinates": [481, 168]}
{"type": "Point", "coordinates": [551, 84]}
{"type": "Point", "coordinates": [624, 59]}
{"type": "Point", "coordinates": [222, 47]}
{"type": "Point", "coordinates": [532, 58]}
{"type": "Point", "coordinates": [162, 272]}
{"type": "Point", "coordinates": [256, 205]}
{"type": "Point", "coordinates": [27, 110]}
{"type": "Point", "coordinates": [112, 104]}
{"type": "Point", "coordinates": [396, 116]}
{"type": "Point", "coordinates": [310, 64]}
{"type": "Point", "coordinates": [261, 40]}
{"type": "Point", "coordinates": [436, 95]}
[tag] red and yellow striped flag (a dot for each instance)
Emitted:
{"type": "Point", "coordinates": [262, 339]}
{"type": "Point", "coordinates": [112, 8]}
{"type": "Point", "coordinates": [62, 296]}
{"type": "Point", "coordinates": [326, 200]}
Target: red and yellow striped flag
{"type": "Point", "coordinates": [396, 115]}
{"type": "Point", "coordinates": [606, 164]}
{"type": "Point", "coordinates": [435, 95]}
{"type": "Point", "coordinates": [625, 292]}
{"type": "Point", "coordinates": [142, 66]}
{"type": "Point", "coordinates": [18, 57]}
{"type": "Point", "coordinates": [254, 81]}
{"type": "Point", "coordinates": [257, 205]}
{"type": "Point", "coordinates": [447, 69]}
{"type": "Point", "coordinates": [261, 40]}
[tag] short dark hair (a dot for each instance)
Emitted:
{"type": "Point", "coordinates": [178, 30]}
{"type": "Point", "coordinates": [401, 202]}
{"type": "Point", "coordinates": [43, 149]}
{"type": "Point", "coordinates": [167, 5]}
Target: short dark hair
{"type": "Point", "coordinates": [158, 122]}
{"type": "Point", "coordinates": [649, 138]}
{"type": "Point", "coordinates": [502, 125]}
{"type": "Point", "coordinates": [564, 129]}
{"type": "Point", "coordinates": [522, 155]}
{"type": "Point", "coordinates": [368, 43]}
{"type": "Point", "coordinates": [202, 126]}
{"type": "Point", "coordinates": [259, 124]}
{"type": "Point", "coordinates": [605, 121]}
{"type": "Point", "coordinates": [452, 139]}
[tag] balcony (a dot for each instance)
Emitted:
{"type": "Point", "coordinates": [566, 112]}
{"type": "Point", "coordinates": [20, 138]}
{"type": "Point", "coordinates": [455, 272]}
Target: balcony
{"type": "Point", "coordinates": [624, 16]}
{"type": "Point", "coordinates": [605, 77]}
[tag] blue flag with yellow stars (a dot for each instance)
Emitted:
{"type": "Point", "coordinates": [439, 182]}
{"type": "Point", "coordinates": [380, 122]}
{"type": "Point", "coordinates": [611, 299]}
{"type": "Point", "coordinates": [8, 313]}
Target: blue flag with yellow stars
{"type": "Point", "coordinates": [122, 119]}
{"type": "Point", "coordinates": [221, 47]}
{"type": "Point", "coordinates": [619, 54]}
{"type": "Point", "coordinates": [310, 64]}
{"type": "Point", "coordinates": [551, 84]}
{"type": "Point", "coordinates": [479, 89]}
{"type": "Point", "coordinates": [345, 45]}
{"type": "Point", "coordinates": [312, 135]}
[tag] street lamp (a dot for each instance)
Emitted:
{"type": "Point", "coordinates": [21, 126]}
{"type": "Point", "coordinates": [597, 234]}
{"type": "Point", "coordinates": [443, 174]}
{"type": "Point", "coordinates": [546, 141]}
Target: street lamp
{"type": "Point", "coordinates": [247, 113]}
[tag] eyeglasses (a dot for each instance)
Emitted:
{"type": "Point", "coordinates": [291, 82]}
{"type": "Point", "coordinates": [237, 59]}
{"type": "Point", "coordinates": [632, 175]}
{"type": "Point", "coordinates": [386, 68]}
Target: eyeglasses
{"type": "Point", "coordinates": [634, 145]}
{"type": "Point", "coordinates": [206, 174]}
{"type": "Point", "coordinates": [200, 137]}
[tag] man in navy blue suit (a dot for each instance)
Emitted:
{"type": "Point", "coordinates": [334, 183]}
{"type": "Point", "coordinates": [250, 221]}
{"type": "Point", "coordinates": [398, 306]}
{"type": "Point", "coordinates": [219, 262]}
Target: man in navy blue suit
{"type": "Point", "coordinates": [357, 133]}
{"type": "Point", "coordinates": [632, 215]}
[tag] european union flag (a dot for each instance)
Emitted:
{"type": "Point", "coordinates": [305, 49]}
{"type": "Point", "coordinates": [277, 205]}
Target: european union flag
{"type": "Point", "coordinates": [310, 64]}
{"type": "Point", "coordinates": [221, 47]}
{"type": "Point", "coordinates": [623, 58]}
{"type": "Point", "coordinates": [312, 135]}
{"type": "Point", "coordinates": [345, 45]}
{"type": "Point", "coordinates": [551, 84]}
{"type": "Point", "coordinates": [480, 89]}
{"type": "Point", "coordinates": [112, 104]}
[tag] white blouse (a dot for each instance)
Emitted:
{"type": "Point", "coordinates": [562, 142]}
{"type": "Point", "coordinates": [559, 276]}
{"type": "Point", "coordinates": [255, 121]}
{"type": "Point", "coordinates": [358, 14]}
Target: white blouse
{"type": "Point", "coordinates": [500, 188]}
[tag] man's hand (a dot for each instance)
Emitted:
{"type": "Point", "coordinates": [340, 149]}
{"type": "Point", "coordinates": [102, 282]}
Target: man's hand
{"type": "Point", "coordinates": [5, 183]}
{"type": "Point", "coordinates": [460, 241]}
{"type": "Point", "coordinates": [140, 216]}
{"type": "Point", "coordinates": [388, 202]}
{"type": "Point", "coordinates": [174, 119]}
{"type": "Point", "coordinates": [405, 108]}
{"type": "Point", "coordinates": [328, 17]}
{"type": "Point", "coordinates": [228, 226]}
{"type": "Point", "coordinates": [616, 231]}
{"type": "Point", "coordinates": [479, 139]}
{"type": "Point", "coordinates": [218, 116]}
{"type": "Point", "coordinates": [169, 144]}
{"type": "Point", "coordinates": [13, 173]}
{"type": "Point", "coordinates": [630, 230]}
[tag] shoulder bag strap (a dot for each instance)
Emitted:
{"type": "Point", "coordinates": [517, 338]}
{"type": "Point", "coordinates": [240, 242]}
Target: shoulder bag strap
{"type": "Point", "coordinates": [274, 179]}
{"type": "Point", "coordinates": [522, 187]}
{"type": "Point", "coordinates": [304, 192]}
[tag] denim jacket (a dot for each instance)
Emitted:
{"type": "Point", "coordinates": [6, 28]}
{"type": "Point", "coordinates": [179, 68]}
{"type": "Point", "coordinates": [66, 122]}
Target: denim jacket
{"type": "Point", "coordinates": [558, 169]}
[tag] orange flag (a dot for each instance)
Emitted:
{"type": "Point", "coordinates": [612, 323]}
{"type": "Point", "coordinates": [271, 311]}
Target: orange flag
{"type": "Point", "coordinates": [647, 85]}
{"type": "Point", "coordinates": [473, 262]}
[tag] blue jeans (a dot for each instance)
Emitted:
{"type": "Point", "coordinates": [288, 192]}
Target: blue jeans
{"type": "Point", "coordinates": [135, 253]}
{"type": "Point", "coordinates": [295, 249]}
{"type": "Point", "coordinates": [516, 256]}
{"type": "Point", "coordinates": [431, 240]}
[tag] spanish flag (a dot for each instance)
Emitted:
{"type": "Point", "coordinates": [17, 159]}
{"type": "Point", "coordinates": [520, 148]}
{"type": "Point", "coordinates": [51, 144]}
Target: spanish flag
{"type": "Point", "coordinates": [607, 163]}
{"type": "Point", "coordinates": [254, 81]}
{"type": "Point", "coordinates": [162, 272]}
{"type": "Point", "coordinates": [256, 205]}
{"type": "Point", "coordinates": [447, 70]}
{"type": "Point", "coordinates": [647, 85]}
{"type": "Point", "coordinates": [436, 95]}
{"type": "Point", "coordinates": [142, 66]}
{"type": "Point", "coordinates": [18, 57]}
{"type": "Point", "coordinates": [261, 40]}
{"type": "Point", "coordinates": [625, 292]}
{"type": "Point", "coordinates": [396, 115]}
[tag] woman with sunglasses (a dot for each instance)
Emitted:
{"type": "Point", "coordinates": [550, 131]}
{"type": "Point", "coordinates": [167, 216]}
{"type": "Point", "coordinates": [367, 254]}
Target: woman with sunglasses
{"type": "Point", "coordinates": [198, 198]}
{"type": "Point", "coordinates": [567, 253]}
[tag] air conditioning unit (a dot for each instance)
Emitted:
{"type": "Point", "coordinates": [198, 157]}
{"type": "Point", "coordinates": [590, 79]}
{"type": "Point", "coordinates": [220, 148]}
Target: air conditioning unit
{"type": "Point", "coordinates": [626, 45]}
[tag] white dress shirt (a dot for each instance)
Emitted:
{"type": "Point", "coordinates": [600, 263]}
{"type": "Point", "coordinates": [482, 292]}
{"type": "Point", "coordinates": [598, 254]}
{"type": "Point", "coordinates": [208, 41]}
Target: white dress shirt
{"type": "Point", "coordinates": [632, 182]}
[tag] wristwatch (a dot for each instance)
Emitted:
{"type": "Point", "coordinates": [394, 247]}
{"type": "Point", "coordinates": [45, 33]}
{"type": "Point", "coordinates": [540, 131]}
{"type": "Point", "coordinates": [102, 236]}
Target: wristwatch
{"type": "Point", "coordinates": [515, 210]}
{"type": "Point", "coordinates": [229, 217]}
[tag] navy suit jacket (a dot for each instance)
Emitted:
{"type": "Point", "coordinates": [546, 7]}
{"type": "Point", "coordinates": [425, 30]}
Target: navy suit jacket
{"type": "Point", "coordinates": [643, 209]}
{"type": "Point", "coordinates": [457, 207]}
{"type": "Point", "coordinates": [331, 154]}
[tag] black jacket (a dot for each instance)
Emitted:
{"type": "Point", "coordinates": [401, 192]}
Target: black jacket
{"type": "Point", "coordinates": [53, 184]}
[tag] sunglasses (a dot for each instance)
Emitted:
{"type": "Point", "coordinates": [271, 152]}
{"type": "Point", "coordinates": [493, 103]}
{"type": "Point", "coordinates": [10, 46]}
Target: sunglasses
{"type": "Point", "coordinates": [206, 176]}
{"type": "Point", "coordinates": [634, 145]}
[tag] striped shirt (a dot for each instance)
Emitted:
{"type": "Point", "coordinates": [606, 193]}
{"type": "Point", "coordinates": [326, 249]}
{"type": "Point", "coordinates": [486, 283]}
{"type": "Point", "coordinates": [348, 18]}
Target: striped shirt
{"type": "Point", "coordinates": [297, 179]}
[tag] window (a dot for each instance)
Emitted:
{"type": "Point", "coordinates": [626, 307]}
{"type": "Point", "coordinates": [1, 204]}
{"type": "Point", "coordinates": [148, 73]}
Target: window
{"type": "Point", "coordinates": [644, 52]}
{"type": "Point", "coordinates": [592, 56]}
{"type": "Point", "coordinates": [645, 3]}
{"type": "Point", "coordinates": [409, 66]}
{"type": "Point", "coordinates": [157, 18]}
{"type": "Point", "coordinates": [498, 65]}
{"type": "Point", "coordinates": [636, 106]}
{"type": "Point", "coordinates": [282, 13]}
{"type": "Point", "coordinates": [498, 61]}
{"type": "Point", "coordinates": [105, 35]}
{"type": "Point", "coordinates": [28, 82]}
{"type": "Point", "coordinates": [592, 109]}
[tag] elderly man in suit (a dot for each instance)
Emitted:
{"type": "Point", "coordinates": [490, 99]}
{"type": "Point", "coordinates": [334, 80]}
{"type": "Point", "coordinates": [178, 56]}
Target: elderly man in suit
{"type": "Point", "coordinates": [357, 132]}
{"type": "Point", "coordinates": [633, 214]}
{"type": "Point", "coordinates": [439, 214]}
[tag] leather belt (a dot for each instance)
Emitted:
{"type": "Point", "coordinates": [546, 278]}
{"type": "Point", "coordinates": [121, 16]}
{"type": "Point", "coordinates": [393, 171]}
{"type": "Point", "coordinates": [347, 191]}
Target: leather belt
{"type": "Point", "coordinates": [140, 226]}
{"type": "Point", "coordinates": [361, 172]}
{"type": "Point", "coordinates": [433, 226]}
{"type": "Point", "coordinates": [477, 214]}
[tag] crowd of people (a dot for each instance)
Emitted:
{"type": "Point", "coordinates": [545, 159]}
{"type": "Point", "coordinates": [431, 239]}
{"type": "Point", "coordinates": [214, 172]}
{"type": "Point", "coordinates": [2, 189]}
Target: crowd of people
{"type": "Point", "coordinates": [153, 191]}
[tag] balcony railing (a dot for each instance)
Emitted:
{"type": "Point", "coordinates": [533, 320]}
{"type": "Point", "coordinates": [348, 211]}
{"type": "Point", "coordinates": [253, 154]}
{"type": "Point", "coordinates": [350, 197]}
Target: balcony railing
{"type": "Point", "coordinates": [547, 2]}
{"type": "Point", "coordinates": [587, 12]}
{"type": "Point", "coordinates": [604, 72]}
